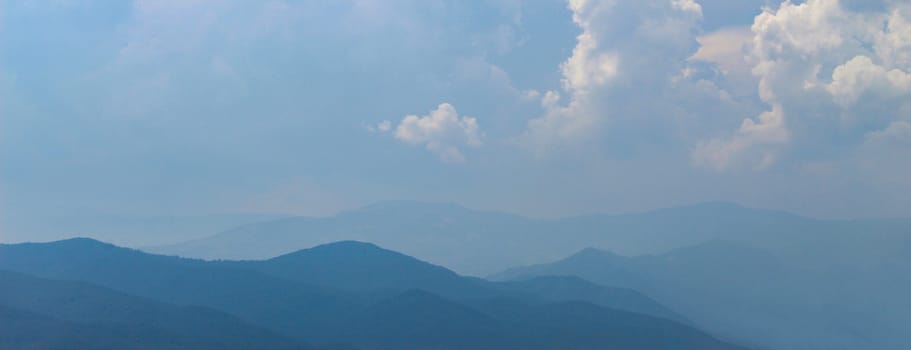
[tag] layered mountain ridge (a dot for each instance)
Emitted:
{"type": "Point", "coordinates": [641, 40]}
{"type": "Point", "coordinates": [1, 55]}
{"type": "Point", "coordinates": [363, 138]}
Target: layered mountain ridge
{"type": "Point", "coordinates": [352, 294]}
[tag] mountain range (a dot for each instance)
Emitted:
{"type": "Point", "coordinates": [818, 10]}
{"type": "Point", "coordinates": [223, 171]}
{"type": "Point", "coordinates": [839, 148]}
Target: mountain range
{"type": "Point", "coordinates": [139, 229]}
{"type": "Point", "coordinates": [341, 295]}
{"type": "Point", "coordinates": [479, 243]}
{"type": "Point", "coordinates": [47, 314]}
{"type": "Point", "coordinates": [754, 297]}
{"type": "Point", "coordinates": [759, 278]}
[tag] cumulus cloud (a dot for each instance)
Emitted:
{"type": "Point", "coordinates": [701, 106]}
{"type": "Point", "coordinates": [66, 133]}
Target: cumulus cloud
{"type": "Point", "coordinates": [723, 153]}
{"type": "Point", "coordinates": [629, 52]}
{"type": "Point", "coordinates": [443, 132]}
{"type": "Point", "coordinates": [861, 75]}
{"type": "Point", "coordinates": [806, 82]}
{"type": "Point", "coordinates": [831, 73]}
{"type": "Point", "coordinates": [687, 6]}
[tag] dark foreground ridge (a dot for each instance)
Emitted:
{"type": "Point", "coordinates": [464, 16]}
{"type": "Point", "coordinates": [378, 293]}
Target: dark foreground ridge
{"type": "Point", "coordinates": [343, 295]}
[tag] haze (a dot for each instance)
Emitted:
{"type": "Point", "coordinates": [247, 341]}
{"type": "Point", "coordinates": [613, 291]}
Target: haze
{"type": "Point", "coordinates": [736, 173]}
{"type": "Point", "coordinates": [196, 108]}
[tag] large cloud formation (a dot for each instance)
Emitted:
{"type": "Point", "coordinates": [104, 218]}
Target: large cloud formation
{"type": "Point", "coordinates": [833, 74]}
{"type": "Point", "coordinates": [175, 102]}
{"type": "Point", "coordinates": [807, 82]}
{"type": "Point", "coordinates": [628, 69]}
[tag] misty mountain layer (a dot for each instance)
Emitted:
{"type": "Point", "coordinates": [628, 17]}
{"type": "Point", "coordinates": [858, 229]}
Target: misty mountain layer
{"type": "Point", "coordinates": [349, 294]}
{"type": "Point", "coordinates": [480, 242]}
{"type": "Point", "coordinates": [758, 277]}
{"type": "Point", "coordinates": [752, 296]}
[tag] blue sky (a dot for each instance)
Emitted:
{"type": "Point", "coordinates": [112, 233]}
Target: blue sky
{"type": "Point", "coordinates": [545, 108]}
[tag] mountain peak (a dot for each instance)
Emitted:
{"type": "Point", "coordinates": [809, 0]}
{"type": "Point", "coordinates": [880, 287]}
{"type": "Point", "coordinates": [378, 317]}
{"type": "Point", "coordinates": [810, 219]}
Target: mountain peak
{"type": "Point", "coordinates": [349, 244]}
{"type": "Point", "coordinates": [360, 266]}
{"type": "Point", "coordinates": [719, 204]}
{"type": "Point", "coordinates": [730, 210]}
{"type": "Point", "coordinates": [713, 206]}
{"type": "Point", "coordinates": [341, 249]}
{"type": "Point", "coordinates": [76, 243]}
{"type": "Point", "coordinates": [594, 253]}
{"type": "Point", "coordinates": [408, 206]}
{"type": "Point", "coordinates": [82, 241]}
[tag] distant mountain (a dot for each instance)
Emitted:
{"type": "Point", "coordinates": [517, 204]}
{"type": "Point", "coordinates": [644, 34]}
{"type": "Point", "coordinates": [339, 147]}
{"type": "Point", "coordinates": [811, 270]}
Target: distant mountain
{"type": "Point", "coordinates": [467, 240]}
{"type": "Point", "coordinates": [136, 230]}
{"type": "Point", "coordinates": [753, 297]}
{"type": "Point", "coordinates": [38, 313]}
{"type": "Point", "coordinates": [480, 242]}
{"type": "Point", "coordinates": [365, 268]}
{"type": "Point", "coordinates": [316, 296]}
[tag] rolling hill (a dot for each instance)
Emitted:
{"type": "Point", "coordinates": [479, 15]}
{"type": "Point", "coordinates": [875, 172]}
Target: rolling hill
{"type": "Point", "coordinates": [367, 269]}
{"type": "Point", "coordinates": [302, 311]}
{"type": "Point", "coordinates": [39, 313]}
{"type": "Point", "coordinates": [355, 294]}
{"type": "Point", "coordinates": [754, 297]}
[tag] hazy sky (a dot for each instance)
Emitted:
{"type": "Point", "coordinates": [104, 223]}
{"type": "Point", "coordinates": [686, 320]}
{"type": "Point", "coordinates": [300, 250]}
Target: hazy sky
{"type": "Point", "coordinates": [545, 108]}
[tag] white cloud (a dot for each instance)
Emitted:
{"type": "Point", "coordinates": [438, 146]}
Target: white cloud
{"type": "Point", "coordinates": [729, 48]}
{"type": "Point", "coordinates": [804, 80]}
{"type": "Point", "coordinates": [550, 99]}
{"type": "Point", "coordinates": [688, 6]}
{"type": "Point", "coordinates": [727, 52]}
{"type": "Point", "coordinates": [825, 70]}
{"type": "Point", "coordinates": [861, 75]}
{"type": "Point", "coordinates": [442, 132]}
{"type": "Point", "coordinates": [626, 51]}
{"type": "Point", "coordinates": [724, 153]}
{"type": "Point", "coordinates": [587, 68]}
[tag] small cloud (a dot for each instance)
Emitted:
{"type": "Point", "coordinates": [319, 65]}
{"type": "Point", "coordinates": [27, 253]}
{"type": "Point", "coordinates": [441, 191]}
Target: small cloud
{"type": "Point", "coordinates": [442, 132]}
{"type": "Point", "coordinates": [688, 6]}
{"type": "Point", "coordinates": [531, 94]}
{"type": "Point", "coordinates": [381, 127]}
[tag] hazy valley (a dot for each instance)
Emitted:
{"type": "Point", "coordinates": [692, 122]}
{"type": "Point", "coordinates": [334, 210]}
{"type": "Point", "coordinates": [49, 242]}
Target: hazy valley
{"type": "Point", "coordinates": [705, 275]}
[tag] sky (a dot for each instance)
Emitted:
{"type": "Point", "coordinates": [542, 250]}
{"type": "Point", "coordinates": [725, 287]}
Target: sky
{"type": "Point", "coordinates": [544, 108]}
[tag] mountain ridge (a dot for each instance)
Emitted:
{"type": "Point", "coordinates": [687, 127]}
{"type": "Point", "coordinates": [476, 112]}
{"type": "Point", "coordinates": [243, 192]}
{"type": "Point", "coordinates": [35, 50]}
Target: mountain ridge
{"type": "Point", "coordinates": [479, 243]}
{"type": "Point", "coordinates": [717, 282]}
{"type": "Point", "coordinates": [98, 317]}
{"type": "Point", "coordinates": [318, 315]}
